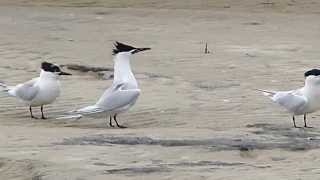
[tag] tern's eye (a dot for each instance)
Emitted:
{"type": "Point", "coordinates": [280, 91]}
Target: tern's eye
{"type": "Point", "coordinates": [56, 69]}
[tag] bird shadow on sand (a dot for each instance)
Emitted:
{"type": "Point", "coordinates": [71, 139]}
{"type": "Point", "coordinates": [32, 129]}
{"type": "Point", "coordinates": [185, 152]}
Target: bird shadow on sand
{"type": "Point", "coordinates": [261, 137]}
{"type": "Point", "coordinates": [284, 130]}
{"type": "Point", "coordinates": [284, 137]}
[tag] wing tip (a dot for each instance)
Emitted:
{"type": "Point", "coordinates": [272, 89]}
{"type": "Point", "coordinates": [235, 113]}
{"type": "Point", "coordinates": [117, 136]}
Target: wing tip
{"type": "Point", "coordinates": [265, 92]}
{"type": "Point", "coordinates": [76, 116]}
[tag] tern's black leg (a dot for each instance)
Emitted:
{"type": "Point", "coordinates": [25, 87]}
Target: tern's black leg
{"type": "Point", "coordinates": [294, 122]}
{"type": "Point", "coordinates": [115, 119]}
{"type": "Point", "coordinates": [305, 121]}
{"type": "Point", "coordinates": [110, 121]}
{"type": "Point", "coordinates": [42, 116]}
{"type": "Point", "coordinates": [30, 109]}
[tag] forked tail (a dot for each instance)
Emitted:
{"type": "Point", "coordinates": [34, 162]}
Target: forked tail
{"type": "Point", "coordinates": [4, 87]}
{"type": "Point", "coordinates": [75, 116]}
{"type": "Point", "coordinates": [80, 112]}
{"type": "Point", "coordinates": [266, 92]}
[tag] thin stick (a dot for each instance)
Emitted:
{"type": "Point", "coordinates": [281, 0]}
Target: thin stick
{"type": "Point", "coordinates": [206, 51]}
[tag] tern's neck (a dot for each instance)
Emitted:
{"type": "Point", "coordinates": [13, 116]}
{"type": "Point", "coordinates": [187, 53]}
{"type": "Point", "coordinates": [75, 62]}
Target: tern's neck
{"type": "Point", "coordinates": [309, 84]}
{"type": "Point", "coordinates": [122, 69]}
{"type": "Point", "coordinates": [311, 89]}
{"type": "Point", "coordinates": [47, 75]}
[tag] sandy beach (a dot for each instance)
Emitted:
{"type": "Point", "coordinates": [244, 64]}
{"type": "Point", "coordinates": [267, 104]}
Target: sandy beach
{"type": "Point", "coordinates": [197, 117]}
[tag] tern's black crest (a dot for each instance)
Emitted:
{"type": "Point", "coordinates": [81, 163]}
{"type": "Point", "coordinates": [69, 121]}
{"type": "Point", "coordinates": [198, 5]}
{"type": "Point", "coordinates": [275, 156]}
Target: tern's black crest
{"type": "Point", "coordinates": [314, 72]}
{"type": "Point", "coordinates": [120, 47]}
{"type": "Point", "coordinates": [49, 67]}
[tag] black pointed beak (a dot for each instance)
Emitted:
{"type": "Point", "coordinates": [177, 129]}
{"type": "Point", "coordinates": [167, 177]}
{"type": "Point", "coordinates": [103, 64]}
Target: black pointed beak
{"type": "Point", "coordinates": [140, 49]}
{"type": "Point", "coordinates": [64, 74]}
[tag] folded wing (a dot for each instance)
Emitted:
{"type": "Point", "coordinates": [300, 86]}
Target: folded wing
{"type": "Point", "coordinates": [114, 98]}
{"type": "Point", "coordinates": [293, 101]}
{"type": "Point", "coordinates": [117, 97]}
{"type": "Point", "coordinates": [26, 91]}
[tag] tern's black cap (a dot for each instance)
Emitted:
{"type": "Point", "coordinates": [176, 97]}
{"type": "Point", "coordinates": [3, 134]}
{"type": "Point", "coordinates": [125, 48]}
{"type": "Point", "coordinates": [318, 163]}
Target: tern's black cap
{"type": "Point", "coordinates": [314, 72]}
{"type": "Point", "coordinates": [120, 47]}
{"type": "Point", "coordinates": [49, 67]}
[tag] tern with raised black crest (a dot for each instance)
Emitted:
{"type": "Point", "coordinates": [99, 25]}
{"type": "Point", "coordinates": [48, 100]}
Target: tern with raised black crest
{"type": "Point", "coordinates": [123, 92]}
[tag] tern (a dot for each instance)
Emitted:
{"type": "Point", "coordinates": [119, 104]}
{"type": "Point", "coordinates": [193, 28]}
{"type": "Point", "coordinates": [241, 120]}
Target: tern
{"type": "Point", "coordinates": [39, 91]}
{"type": "Point", "coordinates": [123, 92]}
{"type": "Point", "coordinates": [300, 101]}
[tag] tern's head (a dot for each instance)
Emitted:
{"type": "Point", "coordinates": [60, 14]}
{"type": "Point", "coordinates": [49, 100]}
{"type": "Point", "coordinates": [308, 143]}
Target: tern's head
{"type": "Point", "coordinates": [312, 76]}
{"type": "Point", "coordinates": [123, 49]}
{"type": "Point", "coordinates": [52, 70]}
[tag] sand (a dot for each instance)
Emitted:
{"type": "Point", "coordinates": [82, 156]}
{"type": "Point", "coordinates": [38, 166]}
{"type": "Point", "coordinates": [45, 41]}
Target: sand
{"type": "Point", "coordinates": [198, 116]}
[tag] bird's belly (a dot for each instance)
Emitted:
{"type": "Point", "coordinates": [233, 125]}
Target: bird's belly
{"type": "Point", "coordinates": [313, 105]}
{"type": "Point", "coordinates": [312, 109]}
{"type": "Point", "coordinates": [46, 96]}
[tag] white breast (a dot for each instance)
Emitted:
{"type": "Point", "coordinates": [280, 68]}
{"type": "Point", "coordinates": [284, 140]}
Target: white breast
{"type": "Point", "coordinates": [49, 90]}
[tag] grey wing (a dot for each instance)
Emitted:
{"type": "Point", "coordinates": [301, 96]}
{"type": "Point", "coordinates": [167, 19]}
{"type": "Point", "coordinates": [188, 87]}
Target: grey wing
{"type": "Point", "coordinates": [80, 112]}
{"type": "Point", "coordinates": [113, 98]}
{"type": "Point", "coordinates": [89, 110]}
{"type": "Point", "coordinates": [290, 100]}
{"type": "Point", "coordinates": [117, 96]}
{"type": "Point", "coordinates": [26, 91]}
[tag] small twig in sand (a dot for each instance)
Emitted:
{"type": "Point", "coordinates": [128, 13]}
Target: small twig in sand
{"type": "Point", "coordinates": [206, 51]}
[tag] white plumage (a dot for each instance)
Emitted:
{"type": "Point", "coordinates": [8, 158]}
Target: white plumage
{"type": "Point", "coordinates": [301, 101]}
{"type": "Point", "coordinates": [39, 91]}
{"type": "Point", "coordinates": [123, 92]}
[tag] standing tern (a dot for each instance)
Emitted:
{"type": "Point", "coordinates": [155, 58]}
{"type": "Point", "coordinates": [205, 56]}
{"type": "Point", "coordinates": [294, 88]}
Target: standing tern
{"type": "Point", "coordinates": [300, 101]}
{"type": "Point", "coordinates": [123, 92]}
{"type": "Point", "coordinates": [39, 91]}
